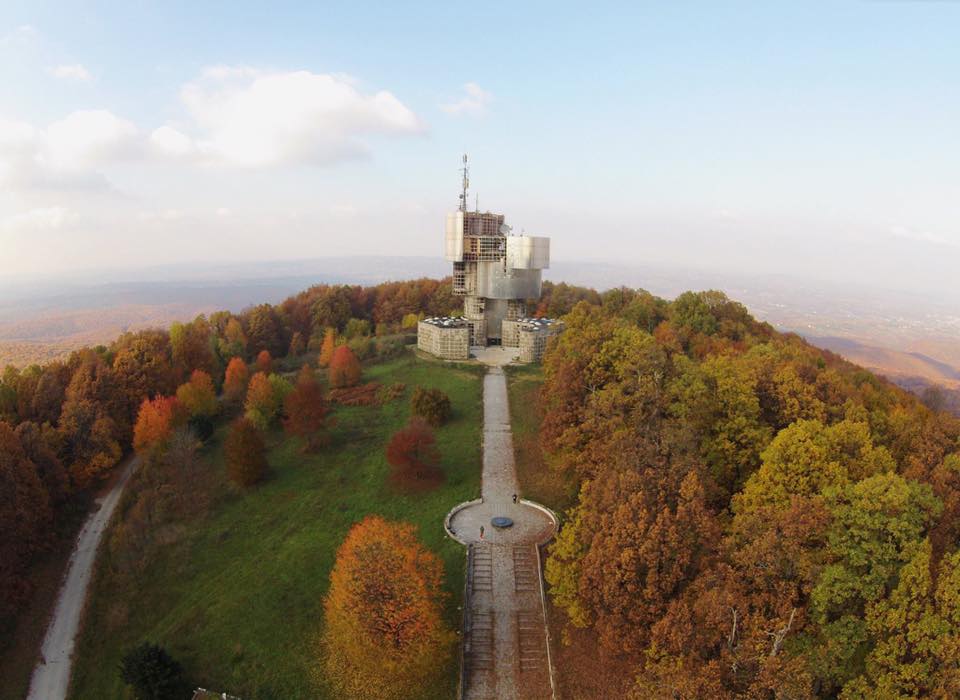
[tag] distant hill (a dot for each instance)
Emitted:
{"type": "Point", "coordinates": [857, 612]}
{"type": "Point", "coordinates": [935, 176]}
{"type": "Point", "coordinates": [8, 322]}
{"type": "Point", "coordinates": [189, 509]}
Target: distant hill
{"type": "Point", "coordinates": [41, 322]}
{"type": "Point", "coordinates": [925, 376]}
{"type": "Point", "coordinates": [892, 363]}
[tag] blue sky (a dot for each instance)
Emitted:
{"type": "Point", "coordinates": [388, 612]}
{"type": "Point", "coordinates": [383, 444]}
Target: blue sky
{"type": "Point", "coordinates": [805, 138]}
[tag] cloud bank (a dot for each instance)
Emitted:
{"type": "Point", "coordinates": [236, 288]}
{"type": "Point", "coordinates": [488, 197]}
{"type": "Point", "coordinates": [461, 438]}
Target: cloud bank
{"type": "Point", "coordinates": [233, 117]}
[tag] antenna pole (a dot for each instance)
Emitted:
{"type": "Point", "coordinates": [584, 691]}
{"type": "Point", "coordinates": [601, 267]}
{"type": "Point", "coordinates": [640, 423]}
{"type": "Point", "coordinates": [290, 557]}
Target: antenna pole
{"type": "Point", "coordinates": [466, 183]}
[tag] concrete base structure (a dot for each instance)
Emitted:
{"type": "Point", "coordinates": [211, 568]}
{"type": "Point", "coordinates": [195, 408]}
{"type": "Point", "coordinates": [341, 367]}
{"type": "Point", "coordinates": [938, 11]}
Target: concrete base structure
{"type": "Point", "coordinates": [530, 336]}
{"type": "Point", "coordinates": [447, 338]}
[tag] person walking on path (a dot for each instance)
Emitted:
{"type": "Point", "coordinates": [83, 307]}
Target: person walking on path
{"type": "Point", "coordinates": [514, 498]}
{"type": "Point", "coordinates": [481, 532]}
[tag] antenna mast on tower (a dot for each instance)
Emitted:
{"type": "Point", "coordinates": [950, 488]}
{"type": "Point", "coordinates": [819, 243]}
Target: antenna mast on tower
{"type": "Point", "coordinates": [466, 184]}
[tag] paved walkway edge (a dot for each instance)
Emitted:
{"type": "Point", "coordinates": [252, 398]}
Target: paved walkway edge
{"type": "Point", "coordinates": [453, 511]}
{"type": "Point", "coordinates": [546, 624]}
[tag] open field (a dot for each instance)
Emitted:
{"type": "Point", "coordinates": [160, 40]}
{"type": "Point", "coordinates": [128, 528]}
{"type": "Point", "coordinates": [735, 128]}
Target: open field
{"type": "Point", "coordinates": [236, 595]}
{"type": "Point", "coordinates": [537, 481]}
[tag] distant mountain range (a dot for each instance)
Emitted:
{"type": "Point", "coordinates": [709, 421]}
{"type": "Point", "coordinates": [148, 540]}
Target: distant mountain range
{"type": "Point", "coordinates": [912, 339]}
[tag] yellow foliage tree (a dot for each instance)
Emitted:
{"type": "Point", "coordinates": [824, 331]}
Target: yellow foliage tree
{"type": "Point", "coordinates": [326, 350]}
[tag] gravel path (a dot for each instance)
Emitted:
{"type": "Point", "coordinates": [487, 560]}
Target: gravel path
{"type": "Point", "coordinates": [505, 645]}
{"type": "Point", "coordinates": [51, 677]}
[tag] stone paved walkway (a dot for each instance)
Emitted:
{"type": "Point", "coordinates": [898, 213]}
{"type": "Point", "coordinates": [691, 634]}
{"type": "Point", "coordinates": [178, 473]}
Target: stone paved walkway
{"type": "Point", "coordinates": [505, 645]}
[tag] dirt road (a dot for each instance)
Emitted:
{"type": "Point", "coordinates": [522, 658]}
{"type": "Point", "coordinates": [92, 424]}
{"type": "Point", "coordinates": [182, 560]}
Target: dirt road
{"type": "Point", "coordinates": [51, 677]}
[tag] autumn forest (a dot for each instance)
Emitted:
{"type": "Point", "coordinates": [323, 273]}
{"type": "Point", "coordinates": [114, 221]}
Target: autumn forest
{"type": "Point", "coordinates": [743, 515]}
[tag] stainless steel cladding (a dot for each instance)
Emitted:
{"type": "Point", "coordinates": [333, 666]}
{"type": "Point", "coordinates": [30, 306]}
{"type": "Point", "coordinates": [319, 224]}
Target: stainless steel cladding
{"type": "Point", "coordinates": [528, 252]}
{"type": "Point", "coordinates": [494, 281]}
{"type": "Point", "coordinates": [453, 241]}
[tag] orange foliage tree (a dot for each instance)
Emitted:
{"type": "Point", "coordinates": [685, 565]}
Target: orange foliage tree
{"type": "Point", "coordinates": [155, 422]}
{"type": "Point", "coordinates": [245, 453]}
{"type": "Point", "coordinates": [413, 454]}
{"type": "Point", "coordinates": [384, 636]}
{"type": "Point", "coordinates": [235, 380]}
{"type": "Point", "coordinates": [306, 411]}
{"type": "Point", "coordinates": [264, 361]}
{"type": "Point", "coordinates": [326, 350]}
{"type": "Point", "coordinates": [344, 368]}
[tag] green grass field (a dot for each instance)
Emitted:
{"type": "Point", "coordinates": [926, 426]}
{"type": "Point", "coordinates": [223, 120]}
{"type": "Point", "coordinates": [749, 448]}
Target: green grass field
{"type": "Point", "coordinates": [237, 598]}
{"type": "Point", "coordinates": [537, 481]}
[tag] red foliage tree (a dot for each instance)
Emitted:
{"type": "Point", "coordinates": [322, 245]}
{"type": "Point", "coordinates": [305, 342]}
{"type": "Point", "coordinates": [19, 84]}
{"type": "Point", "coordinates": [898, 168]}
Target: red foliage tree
{"type": "Point", "coordinates": [264, 361]}
{"type": "Point", "coordinates": [235, 380]}
{"type": "Point", "coordinates": [344, 368]}
{"type": "Point", "coordinates": [306, 411]}
{"type": "Point", "coordinates": [413, 454]}
{"type": "Point", "coordinates": [245, 453]}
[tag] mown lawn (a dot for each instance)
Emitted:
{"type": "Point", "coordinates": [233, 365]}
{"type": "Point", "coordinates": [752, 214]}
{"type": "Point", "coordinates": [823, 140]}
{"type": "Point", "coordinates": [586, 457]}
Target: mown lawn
{"type": "Point", "coordinates": [538, 481]}
{"type": "Point", "coordinates": [237, 598]}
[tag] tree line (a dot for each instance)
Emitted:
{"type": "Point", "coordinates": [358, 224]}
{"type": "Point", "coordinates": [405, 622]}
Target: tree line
{"type": "Point", "coordinates": [65, 426]}
{"type": "Point", "coordinates": [756, 518]}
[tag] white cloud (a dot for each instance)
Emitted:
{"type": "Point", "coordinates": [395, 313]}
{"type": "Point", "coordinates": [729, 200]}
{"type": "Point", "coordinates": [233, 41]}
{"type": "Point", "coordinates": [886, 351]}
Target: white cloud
{"type": "Point", "coordinates": [238, 116]}
{"type": "Point", "coordinates": [67, 152]}
{"type": "Point", "coordinates": [88, 138]}
{"type": "Point", "coordinates": [70, 72]}
{"type": "Point", "coordinates": [170, 142]}
{"type": "Point", "coordinates": [39, 219]}
{"type": "Point", "coordinates": [474, 101]}
{"type": "Point", "coordinates": [250, 118]}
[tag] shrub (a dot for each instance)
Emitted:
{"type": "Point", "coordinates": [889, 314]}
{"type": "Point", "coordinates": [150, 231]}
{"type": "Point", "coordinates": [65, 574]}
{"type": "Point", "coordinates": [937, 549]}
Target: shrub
{"type": "Point", "coordinates": [153, 673]}
{"type": "Point", "coordinates": [389, 347]}
{"type": "Point", "coordinates": [363, 395]}
{"type": "Point", "coordinates": [432, 405]}
{"type": "Point", "coordinates": [391, 392]}
{"type": "Point", "coordinates": [362, 346]}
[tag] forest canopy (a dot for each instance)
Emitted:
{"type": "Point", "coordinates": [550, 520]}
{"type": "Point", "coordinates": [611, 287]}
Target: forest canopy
{"type": "Point", "coordinates": [756, 517]}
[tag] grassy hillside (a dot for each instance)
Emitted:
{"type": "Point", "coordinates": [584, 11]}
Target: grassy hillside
{"type": "Point", "coordinates": [236, 595]}
{"type": "Point", "coordinates": [537, 481]}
